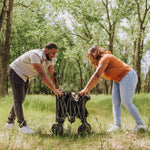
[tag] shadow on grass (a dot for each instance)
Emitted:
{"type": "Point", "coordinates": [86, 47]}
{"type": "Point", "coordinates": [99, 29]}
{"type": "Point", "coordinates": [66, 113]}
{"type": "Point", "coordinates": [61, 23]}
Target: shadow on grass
{"type": "Point", "coordinates": [73, 135]}
{"type": "Point", "coordinates": [68, 134]}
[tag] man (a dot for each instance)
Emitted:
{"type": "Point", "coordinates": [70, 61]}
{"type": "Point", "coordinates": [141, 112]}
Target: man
{"type": "Point", "coordinates": [25, 67]}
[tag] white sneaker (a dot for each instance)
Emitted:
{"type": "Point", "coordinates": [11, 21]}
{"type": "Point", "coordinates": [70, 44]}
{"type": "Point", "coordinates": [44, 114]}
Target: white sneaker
{"type": "Point", "coordinates": [26, 130]}
{"type": "Point", "coordinates": [141, 128]}
{"type": "Point", "coordinates": [114, 129]}
{"type": "Point", "coordinates": [10, 126]}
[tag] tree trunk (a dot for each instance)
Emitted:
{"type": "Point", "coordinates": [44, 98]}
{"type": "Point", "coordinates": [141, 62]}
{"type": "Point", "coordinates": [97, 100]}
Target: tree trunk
{"type": "Point", "coordinates": [139, 58]}
{"type": "Point", "coordinates": [138, 67]}
{"type": "Point", "coordinates": [111, 47]}
{"type": "Point", "coordinates": [81, 77]}
{"type": "Point", "coordinates": [5, 52]}
{"type": "Point", "coordinates": [134, 55]}
{"type": "Point", "coordinates": [147, 82]}
{"type": "Point", "coordinates": [106, 86]}
{"type": "Point", "coordinates": [2, 16]}
{"type": "Point", "coordinates": [111, 40]}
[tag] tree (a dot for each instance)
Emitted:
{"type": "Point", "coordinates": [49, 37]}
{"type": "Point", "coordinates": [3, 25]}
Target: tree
{"type": "Point", "coordinates": [143, 18]}
{"type": "Point", "coordinates": [5, 47]}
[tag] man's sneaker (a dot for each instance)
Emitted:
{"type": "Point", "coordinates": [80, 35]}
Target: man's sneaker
{"type": "Point", "coordinates": [140, 128]}
{"type": "Point", "coordinates": [26, 130]}
{"type": "Point", "coordinates": [114, 129]}
{"type": "Point", "coordinates": [10, 126]}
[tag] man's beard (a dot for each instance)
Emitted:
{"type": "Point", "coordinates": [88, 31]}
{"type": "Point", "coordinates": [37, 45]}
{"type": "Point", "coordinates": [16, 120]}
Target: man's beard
{"type": "Point", "coordinates": [47, 56]}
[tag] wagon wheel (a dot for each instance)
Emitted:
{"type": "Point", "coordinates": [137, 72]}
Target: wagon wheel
{"type": "Point", "coordinates": [85, 128]}
{"type": "Point", "coordinates": [54, 127]}
{"type": "Point", "coordinates": [88, 126]}
{"type": "Point", "coordinates": [57, 129]}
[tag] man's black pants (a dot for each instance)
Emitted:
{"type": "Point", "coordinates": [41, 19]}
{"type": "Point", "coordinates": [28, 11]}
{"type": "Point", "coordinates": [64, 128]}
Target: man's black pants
{"type": "Point", "coordinates": [19, 88]}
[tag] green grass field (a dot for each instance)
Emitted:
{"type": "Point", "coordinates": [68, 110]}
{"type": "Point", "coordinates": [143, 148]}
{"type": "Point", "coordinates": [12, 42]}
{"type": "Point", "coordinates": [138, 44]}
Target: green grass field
{"type": "Point", "coordinates": [39, 111]}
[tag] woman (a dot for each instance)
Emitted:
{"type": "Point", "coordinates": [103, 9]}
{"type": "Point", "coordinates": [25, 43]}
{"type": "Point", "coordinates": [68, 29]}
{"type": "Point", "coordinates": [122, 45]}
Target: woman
{"type": "Point", "coordinates": [124, 84]}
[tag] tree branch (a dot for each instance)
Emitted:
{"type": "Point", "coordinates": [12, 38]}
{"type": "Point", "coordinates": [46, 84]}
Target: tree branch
{"type": "Point", "coordinates": [103, 27]}
{"type": "Point", "coordinates": [106, 7]}
{"type": "Point", "coordinates": [146, 11]}
{"type": "Point", "coordinates": [79, 36]}
{"type": "Point", "coordinates": [138, 10]}
{"type": "Point", "coordinates": [22, 5]}
{"type": "Point", "coordinates": [89, 34]}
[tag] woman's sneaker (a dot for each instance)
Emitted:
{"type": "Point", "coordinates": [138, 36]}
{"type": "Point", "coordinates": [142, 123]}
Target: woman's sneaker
{"type": "Point", "coordinates": [26, 130]}
{"type": "Point", "coordinates": [10, 126]}
{"type": "Point", "coordinates": [140, 128]}
{"type": "Point", "coordinates": [114, 129]}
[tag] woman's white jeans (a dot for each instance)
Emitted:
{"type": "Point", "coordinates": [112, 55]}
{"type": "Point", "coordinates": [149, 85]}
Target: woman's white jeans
{"type": "Point", "coordinates": [123, 91]}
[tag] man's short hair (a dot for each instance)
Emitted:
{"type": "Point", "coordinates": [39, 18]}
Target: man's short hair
{"type": "Point", "coordinates": [51, 45]}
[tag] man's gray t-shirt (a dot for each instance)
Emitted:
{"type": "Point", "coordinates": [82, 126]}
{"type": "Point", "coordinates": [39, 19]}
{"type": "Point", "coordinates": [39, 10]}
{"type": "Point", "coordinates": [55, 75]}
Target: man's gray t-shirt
{"type": "Point", "coordinates": [23, 64]}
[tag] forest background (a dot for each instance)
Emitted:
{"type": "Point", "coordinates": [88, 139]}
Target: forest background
{"type": "Point", "coordinates": [120, 26]}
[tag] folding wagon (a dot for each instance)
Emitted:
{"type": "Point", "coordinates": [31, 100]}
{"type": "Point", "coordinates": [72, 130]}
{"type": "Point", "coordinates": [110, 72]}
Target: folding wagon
{"type": "Point", "coordinates": [69, 106]}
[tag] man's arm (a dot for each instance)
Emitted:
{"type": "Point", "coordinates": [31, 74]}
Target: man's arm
{"type": "Point", "coordinates": [51, 74]}
{"type": "Point", "coordinates": [45, 79]}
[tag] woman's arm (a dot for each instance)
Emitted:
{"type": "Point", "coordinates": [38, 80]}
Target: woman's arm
{"type": "Point", "coordinates": [94, 79]}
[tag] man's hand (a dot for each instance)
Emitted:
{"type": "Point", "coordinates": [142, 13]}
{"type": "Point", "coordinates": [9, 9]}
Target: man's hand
{"type": "Point", "coordinates": [84, 91]}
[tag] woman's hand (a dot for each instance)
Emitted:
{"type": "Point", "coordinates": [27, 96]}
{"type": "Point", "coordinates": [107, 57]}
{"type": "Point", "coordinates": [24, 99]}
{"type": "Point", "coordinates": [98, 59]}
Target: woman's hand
{"type": "Point", "coordinates": [58, 93]}
{"type": "Point", "coordinates": [59, 90]}
{"type": "Point", "coordinates": [84, 91]}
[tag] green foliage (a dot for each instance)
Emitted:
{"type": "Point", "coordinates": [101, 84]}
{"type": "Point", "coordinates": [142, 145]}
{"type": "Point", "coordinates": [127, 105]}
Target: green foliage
{"type": "Point", "coordinates": [75, 25]}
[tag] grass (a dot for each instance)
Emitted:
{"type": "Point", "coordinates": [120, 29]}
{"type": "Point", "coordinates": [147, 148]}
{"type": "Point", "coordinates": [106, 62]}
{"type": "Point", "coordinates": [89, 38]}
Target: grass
{"type": "Point", "coordinates": [39, 111]}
